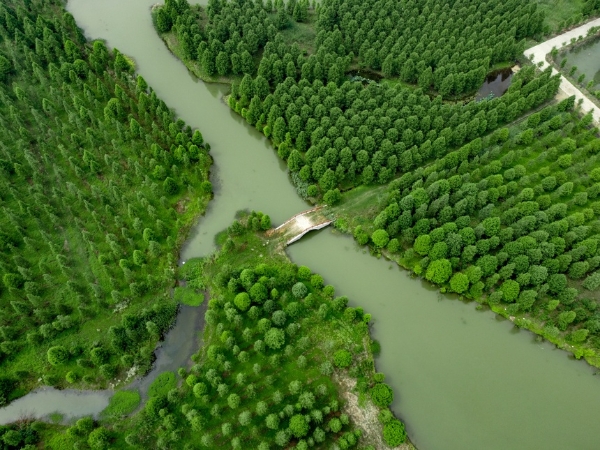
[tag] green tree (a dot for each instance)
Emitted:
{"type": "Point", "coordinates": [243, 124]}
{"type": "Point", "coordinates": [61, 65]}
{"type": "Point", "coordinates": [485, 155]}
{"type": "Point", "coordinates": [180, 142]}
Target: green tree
{"type": "Point", "coordinates": [275, 338]}
{"type": "Point", "coordinates": [299, 426]}
{"type": "Point", "coordinates": [459, 283]}
{"type": "Point", "coordinates": [299, 290]}
{"type": "Point", "coordinates": [99, 439]}
{"type": "Point", "coordinates": [170, 186]}
{"type": "Point", "coordinates": [342, 358]}
{"type": "Point", "coordinates": [380, 238]}
{"type": "Point", "coordinates": [272, 421]}
{"type": "Point", "coordinates": [422, 244]}
{"type": "Point", "coordinates": [510, 290]}
{"type": "Point", "coordinates": [332, 196]}
{"type": "Point", "coordinates": [439, 271]}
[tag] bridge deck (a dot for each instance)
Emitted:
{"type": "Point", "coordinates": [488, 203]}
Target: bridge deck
{"type": "Point", "coordinates": [296, 227]}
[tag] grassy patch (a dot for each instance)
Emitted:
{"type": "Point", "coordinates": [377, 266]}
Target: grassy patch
{"type": "Point", "coordinates": [558, 11]}
{"type": "Point", "coordinates": [163, 384]}
{"type": "Point", "coordinates": [188, 296]}
{"type": "Point", "coordinates": [302, 34]}
{"type": "Point", "coordinates": [55, 417]}
{"type": "Point", "coordinates": [122, 404]}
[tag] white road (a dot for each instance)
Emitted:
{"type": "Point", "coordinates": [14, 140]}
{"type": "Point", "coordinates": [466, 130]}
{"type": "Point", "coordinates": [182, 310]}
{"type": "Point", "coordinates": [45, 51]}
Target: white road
{"type": "Point", "coordinates": [538, 54]}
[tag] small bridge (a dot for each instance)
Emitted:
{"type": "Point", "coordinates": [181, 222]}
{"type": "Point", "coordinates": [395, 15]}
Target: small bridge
{"type": "Point", "coordinates": [296, 227]}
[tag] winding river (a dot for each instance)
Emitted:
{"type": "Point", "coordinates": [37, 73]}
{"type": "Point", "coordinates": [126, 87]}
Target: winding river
{"type": "Point", "coordinates": [463, 379]}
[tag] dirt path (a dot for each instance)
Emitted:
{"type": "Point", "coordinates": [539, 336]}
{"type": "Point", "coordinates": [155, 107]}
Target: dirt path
{"type": "Point", "coordinates": [365, 416]}
{"type": "Point", "coordinates": [538, 54]}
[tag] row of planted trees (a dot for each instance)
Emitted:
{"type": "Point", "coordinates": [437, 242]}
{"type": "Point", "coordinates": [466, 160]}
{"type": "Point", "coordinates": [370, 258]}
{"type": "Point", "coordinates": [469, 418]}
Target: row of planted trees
{"type": "Point", "coordinates": [511, 219]}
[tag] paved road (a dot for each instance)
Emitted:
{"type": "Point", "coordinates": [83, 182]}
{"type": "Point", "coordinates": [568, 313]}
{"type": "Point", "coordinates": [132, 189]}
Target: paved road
{"type": "Point", "coordinates": [567, 88]}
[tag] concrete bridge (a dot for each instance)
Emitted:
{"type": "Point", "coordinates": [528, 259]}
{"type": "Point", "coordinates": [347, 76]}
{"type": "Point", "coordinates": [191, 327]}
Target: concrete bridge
{"type": "Point", "coordinates": [296, 227]}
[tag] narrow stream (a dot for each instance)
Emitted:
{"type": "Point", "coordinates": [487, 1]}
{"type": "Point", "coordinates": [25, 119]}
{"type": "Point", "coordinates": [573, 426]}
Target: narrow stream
{"type": "Point", "coordinates": [463, 379]}
{"type": "Point", "coordinates": [174, 352]}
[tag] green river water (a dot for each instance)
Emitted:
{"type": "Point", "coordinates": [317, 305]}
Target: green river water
{"type": "Point", "coordinates": [463, 379]}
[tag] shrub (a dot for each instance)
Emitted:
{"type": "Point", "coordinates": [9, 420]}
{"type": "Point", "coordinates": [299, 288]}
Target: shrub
{"type": "Point", "coordinates": [382, 395]}
{"type": "Point", "coordinates": [99, 439]}
{"type": "Point", "coordinates": [394, 433]}
{"type": "Point", "coordinates": [57, 355]}
{"type": "Point", "coordinates": [342, 358]}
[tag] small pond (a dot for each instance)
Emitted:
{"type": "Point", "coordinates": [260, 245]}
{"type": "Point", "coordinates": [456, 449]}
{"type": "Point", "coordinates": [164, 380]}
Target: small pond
{"type": "Point", "coordinates": [496, 84]}
{"type": "Point", "coordinates": [364, 75]}
{"type": "Point", "coordinates": [586, 57]}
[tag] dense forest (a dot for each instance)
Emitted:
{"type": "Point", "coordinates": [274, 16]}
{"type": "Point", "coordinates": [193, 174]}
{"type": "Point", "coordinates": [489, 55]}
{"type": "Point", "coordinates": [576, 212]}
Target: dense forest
{"type": "Point", "coordinates": [335, 133]}
{"type": "Point", "coordinates": [278, 344]}
{"type": "Point", "coordinates": [98, 184]}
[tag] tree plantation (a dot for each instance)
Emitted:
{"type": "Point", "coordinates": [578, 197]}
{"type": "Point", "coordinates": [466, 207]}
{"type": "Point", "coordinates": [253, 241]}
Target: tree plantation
{"type": "Point", "coordinates": [276, 345]}
{"type": "Point", "coordinates": [513, 218]}
{"type": "Point", "coordinates": [99, 184]}
{"type": "Point", "coordinates": [374, 109]}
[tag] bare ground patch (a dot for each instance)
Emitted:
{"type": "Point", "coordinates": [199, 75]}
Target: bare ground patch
{"type": "Point", "coordinates": [365, 417]}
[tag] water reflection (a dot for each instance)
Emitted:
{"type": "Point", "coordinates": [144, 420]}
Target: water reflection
{"type": "Point", "coordinates": [496, 84]}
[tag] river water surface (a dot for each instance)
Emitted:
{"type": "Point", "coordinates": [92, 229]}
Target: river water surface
{"type": "Point", "coordinates": [463, 380]}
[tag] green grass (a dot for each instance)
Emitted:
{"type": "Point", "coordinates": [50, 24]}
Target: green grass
{"type": "Point", "coordinates": [121, 404]}
{"type": "Point", "coordinates": [558, 11]}
{"type": "Point", "coordinates": [55, 417]}
{"type": "Point", "coordinates": [188, 296]}
{"type": "Point", "coordinates": [302, 34]}
{"type": "Point", "coordinates": [163, 384]}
